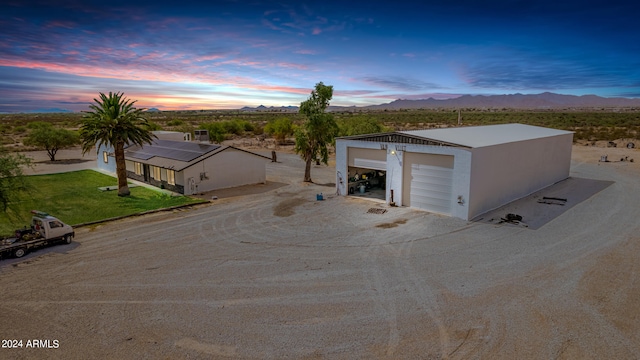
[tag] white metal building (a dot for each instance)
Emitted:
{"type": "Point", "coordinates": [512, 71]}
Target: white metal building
{"type": "Point", "coordinates": [461, 172]}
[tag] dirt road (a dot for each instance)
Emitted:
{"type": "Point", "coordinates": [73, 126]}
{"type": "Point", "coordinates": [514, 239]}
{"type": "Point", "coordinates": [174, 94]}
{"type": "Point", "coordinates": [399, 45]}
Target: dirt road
{"type": "Point", "coordinates": [278, 275]}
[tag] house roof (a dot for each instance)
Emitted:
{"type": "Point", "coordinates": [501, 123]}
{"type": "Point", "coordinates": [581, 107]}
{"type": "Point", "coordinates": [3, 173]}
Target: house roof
{"type": "Point", "coordinates": [170, 149]}
{"type": "Point", "coordinates": [469, 136]}
{"type": "Point", "coordinates": [176, 155]}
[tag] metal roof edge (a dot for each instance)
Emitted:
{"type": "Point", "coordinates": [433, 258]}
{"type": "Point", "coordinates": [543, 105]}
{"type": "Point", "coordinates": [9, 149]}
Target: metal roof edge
{"type": "Point", "coordinates": [401, 133]}
{"type": "Point", "coordinates": [215, 152]}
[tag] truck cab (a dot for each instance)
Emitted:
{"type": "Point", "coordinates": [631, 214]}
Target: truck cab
{"type": "Point", "coordinates": [50, 228]}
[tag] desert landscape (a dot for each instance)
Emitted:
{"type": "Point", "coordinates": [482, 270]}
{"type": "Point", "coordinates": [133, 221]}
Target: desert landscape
{"type": "Point", "coordinates": [158, 265]}
{"type": "Point", "coordinates": [269, 272]}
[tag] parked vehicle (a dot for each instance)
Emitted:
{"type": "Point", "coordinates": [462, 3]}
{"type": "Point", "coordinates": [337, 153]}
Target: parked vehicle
{"type": "Point", "coordinates": [44, 230]}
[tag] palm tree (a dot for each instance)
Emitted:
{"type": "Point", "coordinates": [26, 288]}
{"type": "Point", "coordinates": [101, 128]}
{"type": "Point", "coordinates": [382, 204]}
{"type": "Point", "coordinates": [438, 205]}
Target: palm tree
{"type": "Point", "coordinates": [113, 121]}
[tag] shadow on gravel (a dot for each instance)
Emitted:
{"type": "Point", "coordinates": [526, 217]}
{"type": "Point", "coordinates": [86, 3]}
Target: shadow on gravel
{"type": "Point", "coordinates": [240, 190]}
{"type": "Point", "coordinates": [331, 184]}
{"type": "Point", "coordinates": [35, 254]}
{"type": "Point", "coordinates": [547, 204]}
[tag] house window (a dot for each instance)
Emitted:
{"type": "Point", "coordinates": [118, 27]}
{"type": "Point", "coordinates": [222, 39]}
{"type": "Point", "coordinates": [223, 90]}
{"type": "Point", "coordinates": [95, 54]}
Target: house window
{"type": "Point", "coordinates": [137, 168]}
{"type": "Point", "coordinates": [156, 173]}
{"type": "Point", "coordinates": [171, 177]}
{"type": "Point", "coordinates": [105, 157]}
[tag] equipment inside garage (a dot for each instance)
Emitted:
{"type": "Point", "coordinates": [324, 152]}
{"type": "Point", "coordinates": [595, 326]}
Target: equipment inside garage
{"type": "Point", "coordinates": [367, 182]}
{"type": "Point", "coordinates": [367, 173]}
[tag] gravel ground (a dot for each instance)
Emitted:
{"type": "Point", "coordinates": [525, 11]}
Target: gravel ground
{"type": "Point", "coordinates": [275, 274]}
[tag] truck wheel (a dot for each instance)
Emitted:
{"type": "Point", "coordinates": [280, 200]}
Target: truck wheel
{"type": "Point", "coordinates": [68, 238]}
{"type": "Point", "coordinates": [20, 252]}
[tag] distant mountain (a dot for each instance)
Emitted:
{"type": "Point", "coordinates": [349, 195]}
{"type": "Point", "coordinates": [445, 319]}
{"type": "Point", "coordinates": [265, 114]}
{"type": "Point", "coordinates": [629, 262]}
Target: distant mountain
{"type": "Point", "coordinates": [545, 100]}
{"type": "Point", "coordinates": [541, 101]}
{"type": "Point", "coordinates": [153, 110]}
{"type": "Point", "coordinates": [271, 108]}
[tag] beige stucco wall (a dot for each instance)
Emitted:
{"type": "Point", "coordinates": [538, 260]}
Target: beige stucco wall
{"type": "Point", "coordinates": [505, 172]}
{"type": "Point", "coordinates": [228, 168]}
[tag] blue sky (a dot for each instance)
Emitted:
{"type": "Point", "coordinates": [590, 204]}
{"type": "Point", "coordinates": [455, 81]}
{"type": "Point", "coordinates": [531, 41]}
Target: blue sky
{"type": "Point", "coordinates": [230, 54]}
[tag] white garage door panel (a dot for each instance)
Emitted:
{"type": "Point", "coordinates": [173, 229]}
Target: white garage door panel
{"type": "Point", "coordinates": [431, 204]}
{"type": "Point", "coordinates": [370, 164]}
{"type": "Point", "coordinates": [431, 188]}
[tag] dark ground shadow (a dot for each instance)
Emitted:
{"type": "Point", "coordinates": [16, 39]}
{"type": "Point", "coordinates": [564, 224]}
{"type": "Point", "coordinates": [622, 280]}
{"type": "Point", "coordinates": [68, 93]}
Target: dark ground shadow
{"type": "Point", "coordinates": [64, 161]}
{"type": "Point", "coordinates": [329, 184]}
{"type": "Point", "coordinates": [547, 204]}
{"type": "Point", "coordinates": [240, 190]}
{"type": "Point", "coordinates": [35, 253]}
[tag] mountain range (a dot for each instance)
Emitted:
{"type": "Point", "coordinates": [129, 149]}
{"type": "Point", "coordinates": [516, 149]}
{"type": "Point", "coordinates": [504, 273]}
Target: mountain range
{"type": "Point", "coordinates": [541, 101]}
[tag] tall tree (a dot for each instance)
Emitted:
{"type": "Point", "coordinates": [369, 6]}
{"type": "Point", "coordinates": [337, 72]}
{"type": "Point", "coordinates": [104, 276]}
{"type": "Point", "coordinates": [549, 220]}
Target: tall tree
{"type": "Point", "coordinates": [12, 180]}
{"type": "Point", "coordinates": [51, 139]}
{"type": "Point", "coordinates": [318, 132]}
{"type": "Point", "coordinates": [114, 121]}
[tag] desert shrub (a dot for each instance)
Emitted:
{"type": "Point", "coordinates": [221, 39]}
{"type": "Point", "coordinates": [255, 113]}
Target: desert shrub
{"type": "Point", "coordinates": [175, 122]}
{"type": "Point", "coordinates": [359, 124]}
{"type": "Point", "coordinates": [217, 132]}
{"type": "Point", "coordinates": [185, 128]}
{"type": "Point", "coordinates": [38, 125]}
{"type": "Point", "coordinates": [20, 129]}
{"type": "Point", "coordinates": [232, 127]}
{"type": "Point", "coordinates": [257, 129]}
{"type": "Point", "coordinates": [154, 126]}
{"type": "Point", "coordinates": [280, 128]}
{"type": "Point", "coordinates": [247, 126]}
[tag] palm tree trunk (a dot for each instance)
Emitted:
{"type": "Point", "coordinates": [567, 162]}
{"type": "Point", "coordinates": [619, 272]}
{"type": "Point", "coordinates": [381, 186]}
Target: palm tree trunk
{"type": "Point", "coordinates": [121, 170]}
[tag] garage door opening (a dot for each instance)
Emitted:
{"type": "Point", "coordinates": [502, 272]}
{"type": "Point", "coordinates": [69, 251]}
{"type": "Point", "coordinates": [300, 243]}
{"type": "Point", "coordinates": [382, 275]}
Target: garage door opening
{"type": "Point", "coordinates": [428, 182]}
{"type": "Point", "coordinates": [367, 183]}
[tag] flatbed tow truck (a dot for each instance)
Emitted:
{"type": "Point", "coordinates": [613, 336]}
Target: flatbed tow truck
{"type": "Point", "coordinates": [44, 230]}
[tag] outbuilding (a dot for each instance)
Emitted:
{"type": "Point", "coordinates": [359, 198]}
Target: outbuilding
{"type": "Point", "coordinates": [461, 172]}
{"type": "Point", "coordinates": [188, 167]}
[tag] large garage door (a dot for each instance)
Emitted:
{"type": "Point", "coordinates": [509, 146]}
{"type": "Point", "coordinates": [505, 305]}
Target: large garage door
{"type": "Point", "coordinates": [428, 179]}
{"type": "Point", "coordinates": [368, 158]}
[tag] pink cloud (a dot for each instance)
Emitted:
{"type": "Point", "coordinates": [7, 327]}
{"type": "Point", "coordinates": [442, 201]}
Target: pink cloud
{"type": "Point", "coordinates": [208, 57]}
{"type": "Point", "coordinates": [306, 52]}
{"type": "Point", "coordinates": [60, 24]}
{"type": "Point", "coordinates": [316, 31]}
{"type": "Point", "coordinates": [292, 66]}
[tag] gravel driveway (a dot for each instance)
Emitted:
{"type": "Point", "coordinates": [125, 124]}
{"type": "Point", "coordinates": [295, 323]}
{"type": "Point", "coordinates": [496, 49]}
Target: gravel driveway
{"type": "Point", "coordinates": [277, 274]}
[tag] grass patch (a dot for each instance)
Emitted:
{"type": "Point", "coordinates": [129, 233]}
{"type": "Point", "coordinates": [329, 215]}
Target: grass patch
{"type": "Point", "coordinates": [74, 198]}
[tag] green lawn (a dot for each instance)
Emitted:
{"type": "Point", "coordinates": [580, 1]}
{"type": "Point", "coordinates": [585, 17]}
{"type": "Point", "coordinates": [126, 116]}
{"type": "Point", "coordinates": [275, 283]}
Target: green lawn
{"type": "Point", "coordinates": [74, 198]}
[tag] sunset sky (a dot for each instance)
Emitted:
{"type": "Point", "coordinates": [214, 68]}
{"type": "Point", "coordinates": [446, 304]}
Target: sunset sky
{"type": "Point", "coordinates": [230, 54]}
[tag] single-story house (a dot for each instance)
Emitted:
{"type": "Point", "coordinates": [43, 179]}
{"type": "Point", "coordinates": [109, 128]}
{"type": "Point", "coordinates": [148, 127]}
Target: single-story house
{"type": "Point", "coordinates": [461, 172]}
{"type": "Point", "coordinates": [188, 167]}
